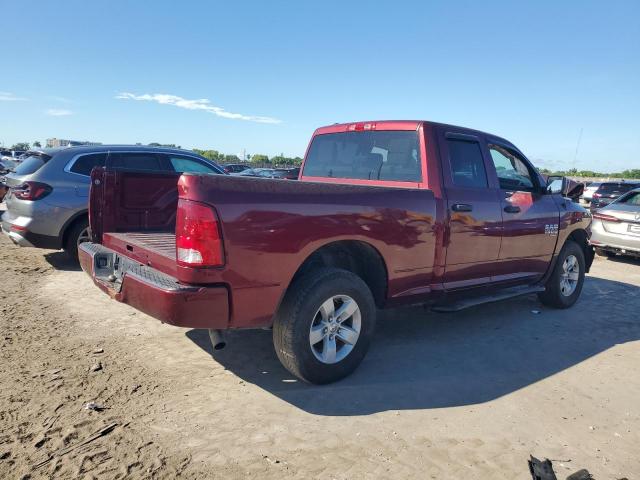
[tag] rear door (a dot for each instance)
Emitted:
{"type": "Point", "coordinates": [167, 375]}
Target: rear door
{"type": "Point", "coordinates": [473, 204]}
{"type": "Point", "coordinates": [530, 216]}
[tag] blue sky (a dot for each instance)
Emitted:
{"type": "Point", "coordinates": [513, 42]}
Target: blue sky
{"type": "Point", "coordinates": [262, 76]}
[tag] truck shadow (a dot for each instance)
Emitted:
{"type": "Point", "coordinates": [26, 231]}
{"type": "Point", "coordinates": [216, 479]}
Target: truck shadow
{"type": "Point", "coordinates": [421, 360]}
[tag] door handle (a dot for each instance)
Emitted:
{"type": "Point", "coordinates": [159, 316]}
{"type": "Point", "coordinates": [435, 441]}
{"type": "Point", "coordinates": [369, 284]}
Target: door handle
{"type": "Point", "coordinates": [461, 207]}
{"type": "Point", "coordinates": [512, 209]}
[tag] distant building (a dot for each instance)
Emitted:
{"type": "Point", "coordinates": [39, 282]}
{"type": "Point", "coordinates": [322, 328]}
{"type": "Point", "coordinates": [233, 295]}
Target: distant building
{"type": "Point", "coordinates": [59, 142]}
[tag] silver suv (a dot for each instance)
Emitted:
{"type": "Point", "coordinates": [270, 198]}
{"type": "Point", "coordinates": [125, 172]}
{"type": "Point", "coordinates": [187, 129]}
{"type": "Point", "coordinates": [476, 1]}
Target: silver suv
{"type": "Point", "coordinates": [48, 194]}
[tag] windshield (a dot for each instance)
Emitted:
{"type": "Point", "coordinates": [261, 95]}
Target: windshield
{"type": "Point", "coordinates": [32, 164]}
{"type": "Point", "coordinates": [371, 155]}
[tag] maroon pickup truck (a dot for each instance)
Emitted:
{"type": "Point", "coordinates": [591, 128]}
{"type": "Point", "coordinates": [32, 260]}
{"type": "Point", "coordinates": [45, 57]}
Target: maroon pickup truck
{"type": "Point", "coordinates": [385, 213]}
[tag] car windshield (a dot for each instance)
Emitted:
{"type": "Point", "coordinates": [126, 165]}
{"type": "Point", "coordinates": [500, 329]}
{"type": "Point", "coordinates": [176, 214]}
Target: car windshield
{"type": "Point", "coordinates": [32, 164]}
{"type": "Point", "coordinates": [369, 155]}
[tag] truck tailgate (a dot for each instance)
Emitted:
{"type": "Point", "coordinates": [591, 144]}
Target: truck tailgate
{"type": "Point", "coordinates": [155, 249]}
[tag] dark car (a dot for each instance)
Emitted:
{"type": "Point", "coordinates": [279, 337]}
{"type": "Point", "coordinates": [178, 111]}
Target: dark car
{"type": "Point", "coordinates": [607, 192]}
{"type": "Point", "coordinates": [375, 221]}
{"type": "Point", "coordinates": [257, 172]}
{"type": "Point", "coordinates": [287, 173]}
{"type": "Point", "coordinates": [235, 167]}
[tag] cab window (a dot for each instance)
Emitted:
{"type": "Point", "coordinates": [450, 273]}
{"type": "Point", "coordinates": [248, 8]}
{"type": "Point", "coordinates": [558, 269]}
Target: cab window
{"type": "Point", "coordinates": [513, 173]}
{"type": "Point", "coordinates": [467, 165]}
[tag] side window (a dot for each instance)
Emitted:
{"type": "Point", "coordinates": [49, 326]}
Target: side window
{"type": "Point", "coordinates": [513, 173]}
{"type": "Point", "coordinates": [467, 165]}
{"type": "Point", "coordinates": [184, 164]}
{"type": "Point", "coordinates": [85, 163]}
{"type": "Point", "coordinates": [136, 161]}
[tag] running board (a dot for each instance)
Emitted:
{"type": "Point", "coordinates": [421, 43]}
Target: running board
{"type": "Point", "coordinates": [472, 302]}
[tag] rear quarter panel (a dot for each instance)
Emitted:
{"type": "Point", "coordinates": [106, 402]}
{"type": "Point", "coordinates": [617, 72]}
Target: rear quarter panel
{"type": "Point", "coordinates": [270, 227]}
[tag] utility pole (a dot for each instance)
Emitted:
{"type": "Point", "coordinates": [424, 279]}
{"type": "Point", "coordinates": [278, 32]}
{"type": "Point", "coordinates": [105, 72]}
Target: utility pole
{"type": "Point", "coordinates": [575, 157]}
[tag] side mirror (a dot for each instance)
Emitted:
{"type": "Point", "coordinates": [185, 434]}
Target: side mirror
{"type": "Point", "coordinates": [555, 184]}
{"type": "Point", "coordinates": [568, 188]}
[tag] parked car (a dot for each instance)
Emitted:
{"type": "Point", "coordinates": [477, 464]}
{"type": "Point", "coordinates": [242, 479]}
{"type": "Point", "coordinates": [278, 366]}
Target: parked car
{"type": "Point", "coordinates": [589, 190]}
{"type": "Point", "coordinates": [257, 172]}
{"type": "Point", "coordinates": [48, 195]}
{"type": "Point", "coordinates": [235, 167]}
{"type": "Point", "coordinates": [616, 227]}
{"type": "Point", "coordinates": [286, 173]}
{"type": "Point", "coordinates": [607, 192]}
{"type": "Point", "coordinates": [385, 214]}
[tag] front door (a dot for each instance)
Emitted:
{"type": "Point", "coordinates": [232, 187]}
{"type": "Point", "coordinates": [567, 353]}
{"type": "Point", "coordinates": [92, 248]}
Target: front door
{"type": "Point", "coordinates": [474, 224]}
{"type": "Point", "coordinates": [530, 217]}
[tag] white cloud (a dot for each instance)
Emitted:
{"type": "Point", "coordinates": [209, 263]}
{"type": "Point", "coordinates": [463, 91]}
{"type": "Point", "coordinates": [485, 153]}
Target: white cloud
{"type": "Point", "coordinates": [199, 104]}
{"type": "Point", "coordinates": [10, 97]}
{"type": "Point", "coordinates": [58, 112]}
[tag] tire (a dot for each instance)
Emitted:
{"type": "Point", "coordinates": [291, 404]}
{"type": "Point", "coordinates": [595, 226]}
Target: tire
{"type": "Point", "coordinates": [74, 236]}
{"type": "Point", "coordinates": [558, 293]}
{"type": "Point", "coordinates": [308, 305]}
{"type": "Point", "coordinates": [604, 253]}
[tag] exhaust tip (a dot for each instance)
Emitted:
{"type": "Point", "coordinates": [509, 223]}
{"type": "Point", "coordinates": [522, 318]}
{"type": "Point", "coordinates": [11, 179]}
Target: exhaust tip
{"type": "Point", "coordinates": [218, 341]}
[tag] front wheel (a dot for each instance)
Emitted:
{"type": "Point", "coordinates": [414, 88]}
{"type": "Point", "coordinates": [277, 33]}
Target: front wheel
{"type": "Point", "coordinates": [565, 283]}
{"type": "Point", "coordinates": [324, 326]}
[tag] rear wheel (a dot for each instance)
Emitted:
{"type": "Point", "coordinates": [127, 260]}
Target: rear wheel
{"type": "Point", "coordinates": [565, 283]}
{"type": "Point", "coordinates": [324, 326]}
{"type": "Point", "coordinates": [77, 234]}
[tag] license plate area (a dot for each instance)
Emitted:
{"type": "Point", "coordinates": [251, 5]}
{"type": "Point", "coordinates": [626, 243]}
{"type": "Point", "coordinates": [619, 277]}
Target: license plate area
{"type": "Point", "coordinates": [110, 268]}
{"type": "Point", "coordinates": [634, 229]}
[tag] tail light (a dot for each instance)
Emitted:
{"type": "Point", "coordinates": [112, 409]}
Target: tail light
{"type": "Point", "coordinates": [198, 240]}
{"type": "Point", "coordinates": [596, 195]}
{"type": "Point", "coordinates": [31, 191]}
{"type": "Point", "coordinates": [606, 218]}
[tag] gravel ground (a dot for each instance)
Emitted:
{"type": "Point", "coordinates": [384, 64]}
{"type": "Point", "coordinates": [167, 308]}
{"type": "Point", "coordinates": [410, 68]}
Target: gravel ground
{"type": "Point", "coordinates": [455, 396]}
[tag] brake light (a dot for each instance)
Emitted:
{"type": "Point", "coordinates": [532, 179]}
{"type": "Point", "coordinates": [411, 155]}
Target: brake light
{"type": "Point", "coordinates": [198, 241]}
{"type": "Point", "coordinates": [359, 127]}
{"type": "Point", "coordinates": [606, 218]}
{"type": "Point", "coordinates": [31, 191]}
{"type": "Point", "coordinates": [596, 195]}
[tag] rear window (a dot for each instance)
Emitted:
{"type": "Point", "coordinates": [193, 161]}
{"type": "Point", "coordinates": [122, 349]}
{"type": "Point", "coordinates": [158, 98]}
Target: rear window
{"type": "Point", "coordinates": [609, 188]}
{"type": "Point", "coordinates": [631, 199]}
{"type": "Point", "coordinates": [137, 161]}
{"type": "Point", "coordinates": [31, 164]}
{"type": "Point", "coordinates": [85, 163]}
{"type": "Point", "coordinates": [373, 155]}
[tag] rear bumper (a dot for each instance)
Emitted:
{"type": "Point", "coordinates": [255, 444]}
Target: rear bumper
{"type": "Point", "coordinates": [615, 242]}
{"type": "Point", "coordinates": [17, 229]}
{"type": "Point", "coordinates": [154, 293]}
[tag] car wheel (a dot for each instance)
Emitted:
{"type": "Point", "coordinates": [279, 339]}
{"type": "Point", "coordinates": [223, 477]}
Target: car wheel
{"type": "Point", "coordinates": [565, 283]}
{"type": "Point", "coordinates": [323, 329]}
{"type": "Point", "coordinates": [79, 233]}
{"type": "Point", "coordinates": [604, 253]}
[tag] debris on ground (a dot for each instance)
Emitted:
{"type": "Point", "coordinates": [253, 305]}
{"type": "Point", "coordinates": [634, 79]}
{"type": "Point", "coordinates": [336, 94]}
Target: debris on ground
{"type": "Point", "coordinates": [94, 406]}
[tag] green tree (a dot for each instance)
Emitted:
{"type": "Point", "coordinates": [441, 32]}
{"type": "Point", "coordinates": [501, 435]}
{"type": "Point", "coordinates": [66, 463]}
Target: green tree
{"type": "Point", "coordinates": [259, 159]}
{"type": "Point", "coordinates": [20, 146]}
{"type": "Point", "coordinates": [36, 144]}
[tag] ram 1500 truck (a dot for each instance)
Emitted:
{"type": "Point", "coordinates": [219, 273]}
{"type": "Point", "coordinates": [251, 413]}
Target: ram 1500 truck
{"type": "Point", "coordinates": [384, 214]}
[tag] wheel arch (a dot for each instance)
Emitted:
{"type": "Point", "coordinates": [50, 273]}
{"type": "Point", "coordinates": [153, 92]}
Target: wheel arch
{"type": "Point", "coordinates": [581, 237]}
{"type": "Point", "coordinates": [70, 223]}
{"type": "Point", "coordinates": [356, 256]}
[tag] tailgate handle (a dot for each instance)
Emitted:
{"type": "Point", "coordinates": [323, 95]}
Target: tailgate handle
{"type": "Point", "coordinates": [512, 209]}
{"type": "Point", "coordinates": [461, 207]}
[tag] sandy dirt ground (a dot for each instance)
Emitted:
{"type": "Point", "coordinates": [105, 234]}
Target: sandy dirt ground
{"type": "Point", "coordinates": [447, 396]}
